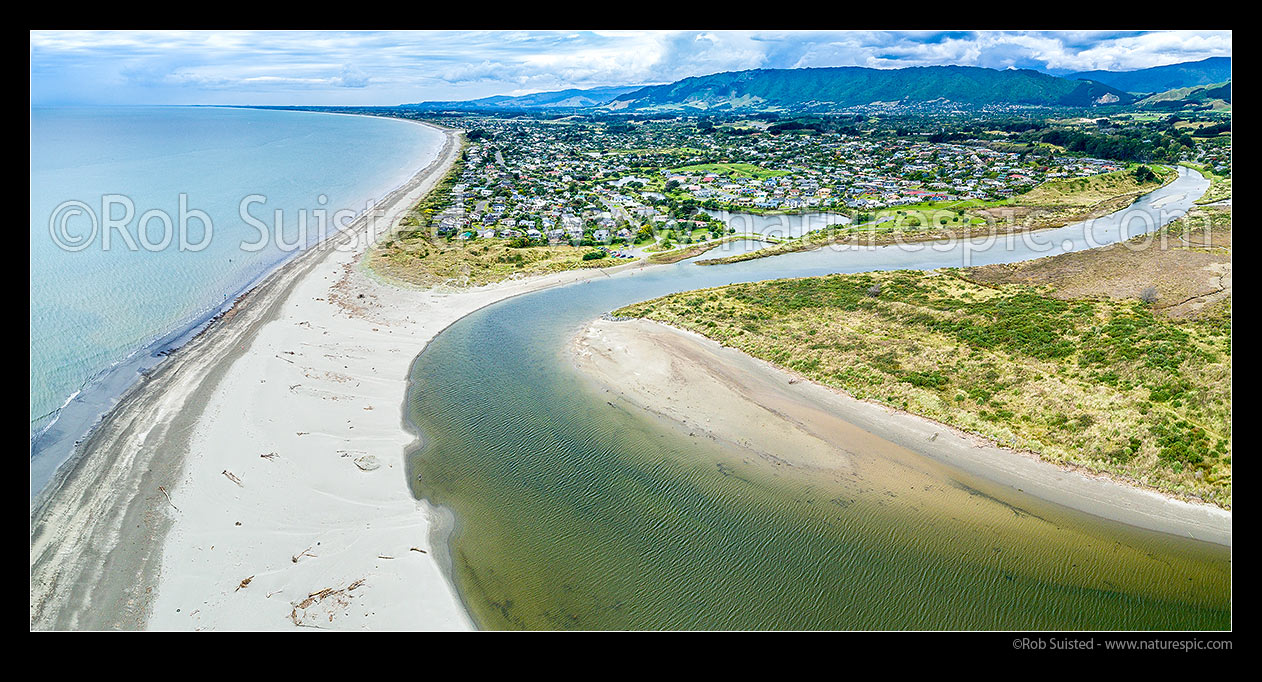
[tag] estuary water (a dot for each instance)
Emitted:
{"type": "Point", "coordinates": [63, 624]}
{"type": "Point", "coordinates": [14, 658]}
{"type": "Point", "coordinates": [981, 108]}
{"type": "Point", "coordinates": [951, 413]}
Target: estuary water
{"type": "Point", "coordinates": [781, 225]}
{"type": "Point", "coordinates": [571, 512]}
{"type": "Point", "coordinates": [108, 302]}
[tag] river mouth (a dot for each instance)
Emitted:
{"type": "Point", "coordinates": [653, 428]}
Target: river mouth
{"type": "Point", "coordinates": [574, 511]}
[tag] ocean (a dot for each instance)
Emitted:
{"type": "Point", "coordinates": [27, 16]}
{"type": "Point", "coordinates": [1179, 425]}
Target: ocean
{"type": "Point", "coordinates": [107, 300]}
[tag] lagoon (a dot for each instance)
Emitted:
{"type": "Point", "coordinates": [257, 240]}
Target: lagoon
{"type": "Point", "coordinates": [779, 225]}
{"type": "Point", "coordinates": [571, 513]}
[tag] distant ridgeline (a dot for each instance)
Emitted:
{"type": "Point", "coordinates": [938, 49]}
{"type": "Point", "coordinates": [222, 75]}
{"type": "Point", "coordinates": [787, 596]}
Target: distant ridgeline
{"type": "Point", "coordinates": [1162, 78]}
{"type": "Point", "coordinates": [818, 89]}
{"type": "Point", "coordinates": [845, 87]}
{"type": "Point", "coordinates": [564, 99]}
{"type": "Point", "coordinates": [1216, 95]}
{"type": "Point", "coordinates": [850, 87]}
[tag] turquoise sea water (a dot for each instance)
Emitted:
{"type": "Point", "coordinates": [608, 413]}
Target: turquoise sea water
{"type": "Point", "coordinates": [96, 312]}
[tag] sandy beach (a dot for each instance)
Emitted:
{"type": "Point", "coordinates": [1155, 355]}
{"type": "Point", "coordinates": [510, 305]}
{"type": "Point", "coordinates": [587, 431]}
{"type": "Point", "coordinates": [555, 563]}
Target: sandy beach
{"type": "Point", "coordinates": [255, 480]}
{"type": "Point", "coordinates": [786, 419]}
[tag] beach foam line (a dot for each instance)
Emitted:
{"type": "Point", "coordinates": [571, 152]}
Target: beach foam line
{"type": "Point", "coordinates": [52, 443]}
{"type": "Point", "coordinates": [278, 426]}
{"type": "Point", "coordinates": [129, 466]}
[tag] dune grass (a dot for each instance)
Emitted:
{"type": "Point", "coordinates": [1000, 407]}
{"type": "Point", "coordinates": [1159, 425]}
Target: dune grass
{"type": "Point", "coordinates": [438, 262]}
{"type": "Point", "coordinates": [1111, 384]}
{"type": "Point", "coordinates": [1094, 189]}
{"type": "Point", "coordinates": [1219, 184]}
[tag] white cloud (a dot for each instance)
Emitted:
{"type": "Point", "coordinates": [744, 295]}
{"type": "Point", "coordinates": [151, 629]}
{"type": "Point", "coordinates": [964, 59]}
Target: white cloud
{"type": "Point", "coordinates": [363, 67]}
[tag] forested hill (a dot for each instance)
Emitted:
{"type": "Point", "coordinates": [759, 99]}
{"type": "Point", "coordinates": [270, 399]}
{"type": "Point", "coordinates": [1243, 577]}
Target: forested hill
{"type": "Point", "coordinates": [840, 87]}
{"type": "Point", "coordinates": [1163, 78]}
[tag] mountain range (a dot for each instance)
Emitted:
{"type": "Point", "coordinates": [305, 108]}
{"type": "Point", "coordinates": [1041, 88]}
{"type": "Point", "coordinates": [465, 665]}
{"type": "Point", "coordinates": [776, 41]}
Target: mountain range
{"type": "Point", "coordinates": [562, 99]}
{"type": "Point", "coordinates": [1163, 78]}
{"type": "Point", "coordinates": [848, 86]}
{"type": "Point", "coordinates": [1214, 96]}
{"type": "Point", "coordinates": [833, 88]}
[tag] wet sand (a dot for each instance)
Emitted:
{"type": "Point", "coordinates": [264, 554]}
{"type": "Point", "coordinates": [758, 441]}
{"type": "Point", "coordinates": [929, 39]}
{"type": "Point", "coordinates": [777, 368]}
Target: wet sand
{"type": "Point", "coordinates": [731, 397]}
{"type": "Point", "coordinates": [255, 479]}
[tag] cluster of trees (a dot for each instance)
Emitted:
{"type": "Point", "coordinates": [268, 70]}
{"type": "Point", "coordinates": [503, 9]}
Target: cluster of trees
{"type": "Point", "coordinates": [951, 128]}
{"type": "Point", "coordinates": [1144, 174]}
{"type": "Point", "coordinates": [794, 126]}
{"type": "Point", "coordinates": [1214, 130]}
{"type": "Point", "coordinates": [1130, 144]}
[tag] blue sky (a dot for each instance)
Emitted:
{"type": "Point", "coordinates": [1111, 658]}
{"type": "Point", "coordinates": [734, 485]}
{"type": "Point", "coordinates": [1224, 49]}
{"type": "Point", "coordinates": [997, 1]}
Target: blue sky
{"type": "Point", "coordinates": [383, 67]}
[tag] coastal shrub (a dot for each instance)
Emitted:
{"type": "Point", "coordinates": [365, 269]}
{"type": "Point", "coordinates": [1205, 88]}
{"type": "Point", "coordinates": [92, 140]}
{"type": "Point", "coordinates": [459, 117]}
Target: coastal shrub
{"type": "Point", "coordinates": [1144, 174]}
{"type": "Point", "coordinates": [1180, 442]}
{"type": "Point", "coordinates": [1105, 382]}
{"type": "Point", "coordinates": [930, 379]}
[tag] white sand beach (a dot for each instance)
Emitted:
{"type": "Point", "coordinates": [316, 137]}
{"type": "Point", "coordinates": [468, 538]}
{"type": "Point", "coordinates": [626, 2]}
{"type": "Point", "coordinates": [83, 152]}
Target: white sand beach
{"type": "Point", "coordinates": [310, 421]}
{"type": "Point", "coordinates": [256, 479]}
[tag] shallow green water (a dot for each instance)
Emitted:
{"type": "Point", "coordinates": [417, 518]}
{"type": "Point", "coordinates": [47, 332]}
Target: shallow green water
{"type": "Point", "coordinates": [574, 511]}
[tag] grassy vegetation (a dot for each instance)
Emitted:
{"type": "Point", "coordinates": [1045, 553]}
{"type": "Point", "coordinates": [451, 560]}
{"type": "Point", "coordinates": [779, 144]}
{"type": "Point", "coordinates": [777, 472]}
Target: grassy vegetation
{"type": "Point", "coordinates": [1219, 184]}
{"type": "Point", "coordinates": [1183, 270]}
{"type": "Point", "coordinates": [437, 199]}
{"type": "Point", "coordinates": [935, 206]}
{"type": "Point", "coordinates": [1094, 189]}
{"type": "Point", "coordinates": [424, 262]}
{"type": "Point", "coordinates": [1052, 204]}
{"type": "Point", "coordinates": [738, 170]}
{"type": "Point", "coordinates": [1110, 384]}
{"type": "Point", "coordinates": [1140, 116]}
{"type": "Point", "coordinates": [1209, 96]}
{"type": "Point", "coordinates": [871, 234]}
{"type": "Point", "coordinates": [688, 251]}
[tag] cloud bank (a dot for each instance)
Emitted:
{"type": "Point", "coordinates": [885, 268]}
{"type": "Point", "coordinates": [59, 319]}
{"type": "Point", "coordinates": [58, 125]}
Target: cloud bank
{"type": "Point", "coordinates": [372, 67]}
